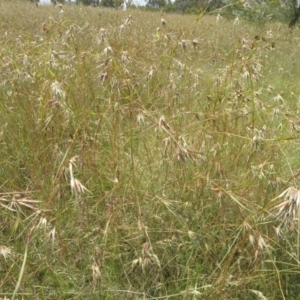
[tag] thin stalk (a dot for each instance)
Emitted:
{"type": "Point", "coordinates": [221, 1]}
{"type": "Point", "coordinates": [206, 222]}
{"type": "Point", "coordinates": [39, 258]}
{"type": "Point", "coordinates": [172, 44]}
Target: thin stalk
{"type": "Point", "coordinates": [21, 271]}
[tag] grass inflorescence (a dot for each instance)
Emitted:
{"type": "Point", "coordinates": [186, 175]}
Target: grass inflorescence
{"type": "Point", "coordinates": [145, 157]}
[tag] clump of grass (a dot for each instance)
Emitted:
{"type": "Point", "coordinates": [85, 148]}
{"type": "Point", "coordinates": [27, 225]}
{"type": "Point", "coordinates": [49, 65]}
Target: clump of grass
{"type": "Point", "coordinates": [139, 158]}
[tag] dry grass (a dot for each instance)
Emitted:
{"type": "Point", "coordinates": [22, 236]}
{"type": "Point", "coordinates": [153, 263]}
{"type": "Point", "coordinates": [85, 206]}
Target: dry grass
{"type": "Point", "coordinates": [143, 159]}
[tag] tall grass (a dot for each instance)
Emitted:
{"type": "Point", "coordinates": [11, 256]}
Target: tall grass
{"type": "Point", "coordinates": [142, 160]}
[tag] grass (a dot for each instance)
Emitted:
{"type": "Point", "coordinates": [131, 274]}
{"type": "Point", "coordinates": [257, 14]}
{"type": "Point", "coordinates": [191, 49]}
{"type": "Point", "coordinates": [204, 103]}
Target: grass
{"type": "Point", "coordinates": [142, 160]}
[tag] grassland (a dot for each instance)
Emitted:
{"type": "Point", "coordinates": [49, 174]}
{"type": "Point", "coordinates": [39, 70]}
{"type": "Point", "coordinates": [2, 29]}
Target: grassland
{"type": "Point", "coordinates": [144, 161]}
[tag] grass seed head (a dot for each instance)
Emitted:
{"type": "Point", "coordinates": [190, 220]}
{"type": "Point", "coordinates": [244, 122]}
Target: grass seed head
{"type": "Point", "coordinates": [150, 73]}
{"type": "Point", "coordinates": [140, 119]}
{"type": "Point", "coordinates": [259, 294]}
{"type": "Point", "coordinates": [219, 18]}
{"type": "Point", "coordinates": [102, 36]}
{"type": "Point", "coordinates": [251, 239]}
{"type": "Point", "coordinates": [96, 274]}
{"type": "Point", "coordinates": [125, 57]}
{"type": "Point", "coordinates": [261, 243]}
{"type": "Point", "coordinates": [51, 235]}
{"type": "Point", "coordinates": [183, 44]}
{"type": "Point", "coordinates": [108, 50]}
{"type": "Point", "coordinates": [5, 252]}
{"type": "Point", "coordinates": [278, 99]}
{"type": "Point", "coordinates": [164, 125]}
{"type": "Point", "coordinates": [43, 223]}
{"type": "Point", "coordinates": [294, 127]}
{"type": "Point", "coordinates": [236, 22]}
{"type": "Point", "coordinates": [57, 91]}
{"type": "Point", "coordinates": [77, 187]}
{"type": "Point", "coordinates": [195, 42]}
{"type": "Point", "coordinates": [276, 112]}
{"type": "Point", "coordinates": [181, 155]}
{"type": "Point", "coordinates": [129, 21]}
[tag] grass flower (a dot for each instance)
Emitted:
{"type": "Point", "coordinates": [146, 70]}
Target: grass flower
{"type": "Point", "coordinates": [43, 223]}
{"type": "Point", "coordinates": [51, 235]}
{"type": "Point", "coordinates": [19, 203]}
{"type": "Point", "coordinates": [125, 57]}
{"type": "Point", "coordinates": [140, 119]}
{"type": "Point", "coordinates": [163, 22]}
{"type": "Point", "coordinates": [164, 125]}
{"type": "Point", "coordinates": [259, 294]}
{"type": "Point", "coordinates": [76, 186]}
{"type": "Point", "coordinates": [96, 274]}
{"type": "Point", "coordinates": [108, 50]}
{"type": "Point", "coordinates": [288, 210]}
{"type": "Point", "coordinates": [277, 112]}
{"type": "Point", "coordinates": [128, 21]}
{"type": "Point", "coordinates": [150, 73]}
{"type": "Point", "coordinates": [183, 44]}
{"type": "Point", "coordinates": [236, 22]}
{"type": "Point", "coordinates": [218, 18]}
{"type": "Point", "coordinates": [195, 42]}
{"type": "Point", "coordinates": [57, 91]}
{"type": "Point", "coordinates": [278, 98]}
{"type": "Point", "coordinates": [5, 252]}
{"type": "Point", "coordinates": [294, 127]}
{"type": "Point", "coordinates": [103, 35]}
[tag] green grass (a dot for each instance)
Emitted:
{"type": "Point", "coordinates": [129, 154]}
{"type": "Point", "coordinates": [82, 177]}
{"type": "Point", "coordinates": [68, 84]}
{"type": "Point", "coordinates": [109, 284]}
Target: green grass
{"type": "Point", "coordinates": [143, 161]}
